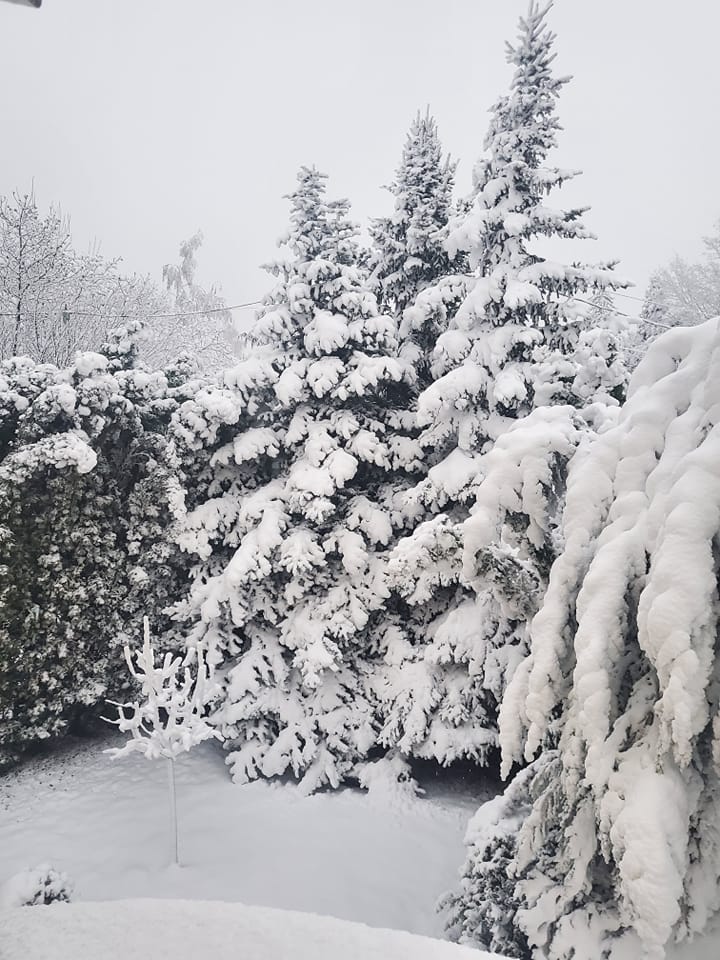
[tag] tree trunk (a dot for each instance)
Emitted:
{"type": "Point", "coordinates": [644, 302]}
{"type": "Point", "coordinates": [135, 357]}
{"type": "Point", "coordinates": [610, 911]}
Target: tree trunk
{"type": "Point", "coordinates": [173, 809]}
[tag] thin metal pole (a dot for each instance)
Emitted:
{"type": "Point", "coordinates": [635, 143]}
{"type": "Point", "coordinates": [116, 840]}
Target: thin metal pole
{"type": "Point", "coordinates": [173, 807]}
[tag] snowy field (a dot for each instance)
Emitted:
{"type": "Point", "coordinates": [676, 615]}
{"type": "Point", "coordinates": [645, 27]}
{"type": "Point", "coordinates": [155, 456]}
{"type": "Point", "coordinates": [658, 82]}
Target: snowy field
{"type": "Point", "coordinates": [377, 860]}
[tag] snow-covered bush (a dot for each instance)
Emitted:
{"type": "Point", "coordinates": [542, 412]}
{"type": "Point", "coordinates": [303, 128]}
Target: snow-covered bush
{"type": "Point", "coordinates": [388, 781]}
{"type": "Point", "coordinates": [40, 885]}
{"type": "Point", "coordinates": [619, 690]}
{"type": "Point", "coordinates": [87, 487]}
{"type": "Point", "coordinates": [171, 718]}
{"type": "Point", "coordinates": [481, 911]}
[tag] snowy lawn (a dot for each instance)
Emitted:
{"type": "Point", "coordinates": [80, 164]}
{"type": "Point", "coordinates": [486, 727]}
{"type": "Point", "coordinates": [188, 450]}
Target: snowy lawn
{"type": "Point", "coordinates": [346, 854]}
{"type": "Point", "coordinates": [349, 855]}
{"type": "Point", "coordinates": [181, 930]}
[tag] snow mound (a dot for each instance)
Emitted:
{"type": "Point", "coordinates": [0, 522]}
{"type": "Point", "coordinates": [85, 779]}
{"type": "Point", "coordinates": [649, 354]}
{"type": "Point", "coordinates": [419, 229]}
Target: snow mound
{"type": "Point", "coordinates": [185, 930]}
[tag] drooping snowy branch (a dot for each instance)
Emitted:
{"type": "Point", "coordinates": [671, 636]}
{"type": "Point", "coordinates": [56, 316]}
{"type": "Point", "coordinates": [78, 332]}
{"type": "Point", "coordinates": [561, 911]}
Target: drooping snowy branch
{"type": "Point", "coordinates": [618, 696]}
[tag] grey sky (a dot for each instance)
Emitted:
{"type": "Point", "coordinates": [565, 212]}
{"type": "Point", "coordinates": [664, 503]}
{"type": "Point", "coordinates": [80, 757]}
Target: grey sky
{"type": "Point", "coordinates": [146, 119]}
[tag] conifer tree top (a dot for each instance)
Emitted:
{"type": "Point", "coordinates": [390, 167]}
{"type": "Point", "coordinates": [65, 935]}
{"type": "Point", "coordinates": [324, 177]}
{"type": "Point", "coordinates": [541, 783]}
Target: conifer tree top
{"type": "Point", "coordinates": [512, 183]}
{"type": "Point", "coordinates": [308, 214]}
{"type": "Point", "coordinates": [527, 115]}
{"type": "Point", "coordinates": [321, 301]}
{"type": "Point", "coordinates": [408, 252]}
{"type": "Point", "coordinates": [514, 341]}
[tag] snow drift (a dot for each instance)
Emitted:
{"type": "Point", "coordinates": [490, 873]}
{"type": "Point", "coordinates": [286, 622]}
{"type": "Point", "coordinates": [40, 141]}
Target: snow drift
{"type": "Point", "coordinates": [184, 930]}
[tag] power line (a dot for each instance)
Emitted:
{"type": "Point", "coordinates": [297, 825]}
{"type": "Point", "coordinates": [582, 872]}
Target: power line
{"type": "Point", "coordinates": [619, 313]}
{"type": "Point", "coordinates": [163, 316]}
{"type": "Point", "coordinates": [628, 296]}
{"type": "Point", "coordinates": [257, 303]}
{"type": "Point", "coordinates": [600, 309]}
{"type": "Point", "coordinates": [154, 316]}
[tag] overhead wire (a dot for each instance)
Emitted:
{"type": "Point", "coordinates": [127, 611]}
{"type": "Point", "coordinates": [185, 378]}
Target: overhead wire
{"type": "Point", "coordinates": [619, 313]}
{"type": "Point", "coordinates": [255, 303]}
{"type": "Point", "coordinates": [154, 316]}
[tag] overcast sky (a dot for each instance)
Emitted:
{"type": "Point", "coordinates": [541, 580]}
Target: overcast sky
{"type": "Point", "coordinates": [149, 119]}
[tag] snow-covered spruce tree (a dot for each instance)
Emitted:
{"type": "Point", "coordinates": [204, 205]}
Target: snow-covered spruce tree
{"type": "Point", "coordinates": [408, 253]}
{"type": "Point", "coordinates": [613, 848]}
{"type": "Point", "coordinates": [470, 578]}
{"type": "Point", "coordinates": [227, 439]}
{"type": "Point", "coordinates": [86, 493]}
{"type": "Point", "coordinates": [518, 378]}
{"type": "Point", "coordinates": [292, 571]}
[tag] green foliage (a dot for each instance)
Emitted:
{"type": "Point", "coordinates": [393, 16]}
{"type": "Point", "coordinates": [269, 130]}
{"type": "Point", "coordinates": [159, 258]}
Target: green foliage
{"type": "Point", "coordinates": [85, 499]}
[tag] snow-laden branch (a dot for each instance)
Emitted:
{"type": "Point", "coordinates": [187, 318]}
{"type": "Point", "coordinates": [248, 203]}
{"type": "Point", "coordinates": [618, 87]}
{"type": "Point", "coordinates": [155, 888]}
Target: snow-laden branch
{"type": "Point", "coordinates": [170, 719]}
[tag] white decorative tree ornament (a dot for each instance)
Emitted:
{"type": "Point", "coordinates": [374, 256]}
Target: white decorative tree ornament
{"type": "Point", "coordinates": [170, 720]}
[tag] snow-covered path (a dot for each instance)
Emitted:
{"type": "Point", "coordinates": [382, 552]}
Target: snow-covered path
{"type": "Point", "coordinates": [345, 854]}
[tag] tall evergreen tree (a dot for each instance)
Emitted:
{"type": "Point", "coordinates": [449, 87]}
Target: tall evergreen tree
{"type": "Point", "coordinates": [514, 347]}
{"type": "Point", "coordinates": [297, 571]}
{"type": "Point", "coordinates": [512, 342]}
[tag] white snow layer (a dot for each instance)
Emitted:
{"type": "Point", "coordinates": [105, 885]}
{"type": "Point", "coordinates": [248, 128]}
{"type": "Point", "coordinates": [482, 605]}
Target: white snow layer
{"type": "Point", "coordinates": [349, 854]}
{"type": "Point", "coordinates": [188, 930]}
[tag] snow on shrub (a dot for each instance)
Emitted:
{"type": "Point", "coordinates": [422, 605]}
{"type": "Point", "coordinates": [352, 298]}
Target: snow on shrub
{"type": "Point", "coordinates": [171, 719]}
{"type": "Point", "coordinates": [87, 482]}
{"type": "Point", "coordinates": [40, 885]}
{"type": "Point", "coordinates": [388, 781]}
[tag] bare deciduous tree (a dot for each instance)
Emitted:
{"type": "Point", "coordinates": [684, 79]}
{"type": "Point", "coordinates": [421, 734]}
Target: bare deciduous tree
{"type": "Point", "coordinates": [685, 293]}
{"type": "Point", "coordinates": [53, 300]}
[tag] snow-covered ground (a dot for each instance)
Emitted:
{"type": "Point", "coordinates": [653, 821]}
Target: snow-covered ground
{"type": "Point", "coordinates": [181, 930]}
{"type": "Point", "coordinates": [346, 854]}
{"type": "Point", "coordinates": [371, 859]}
